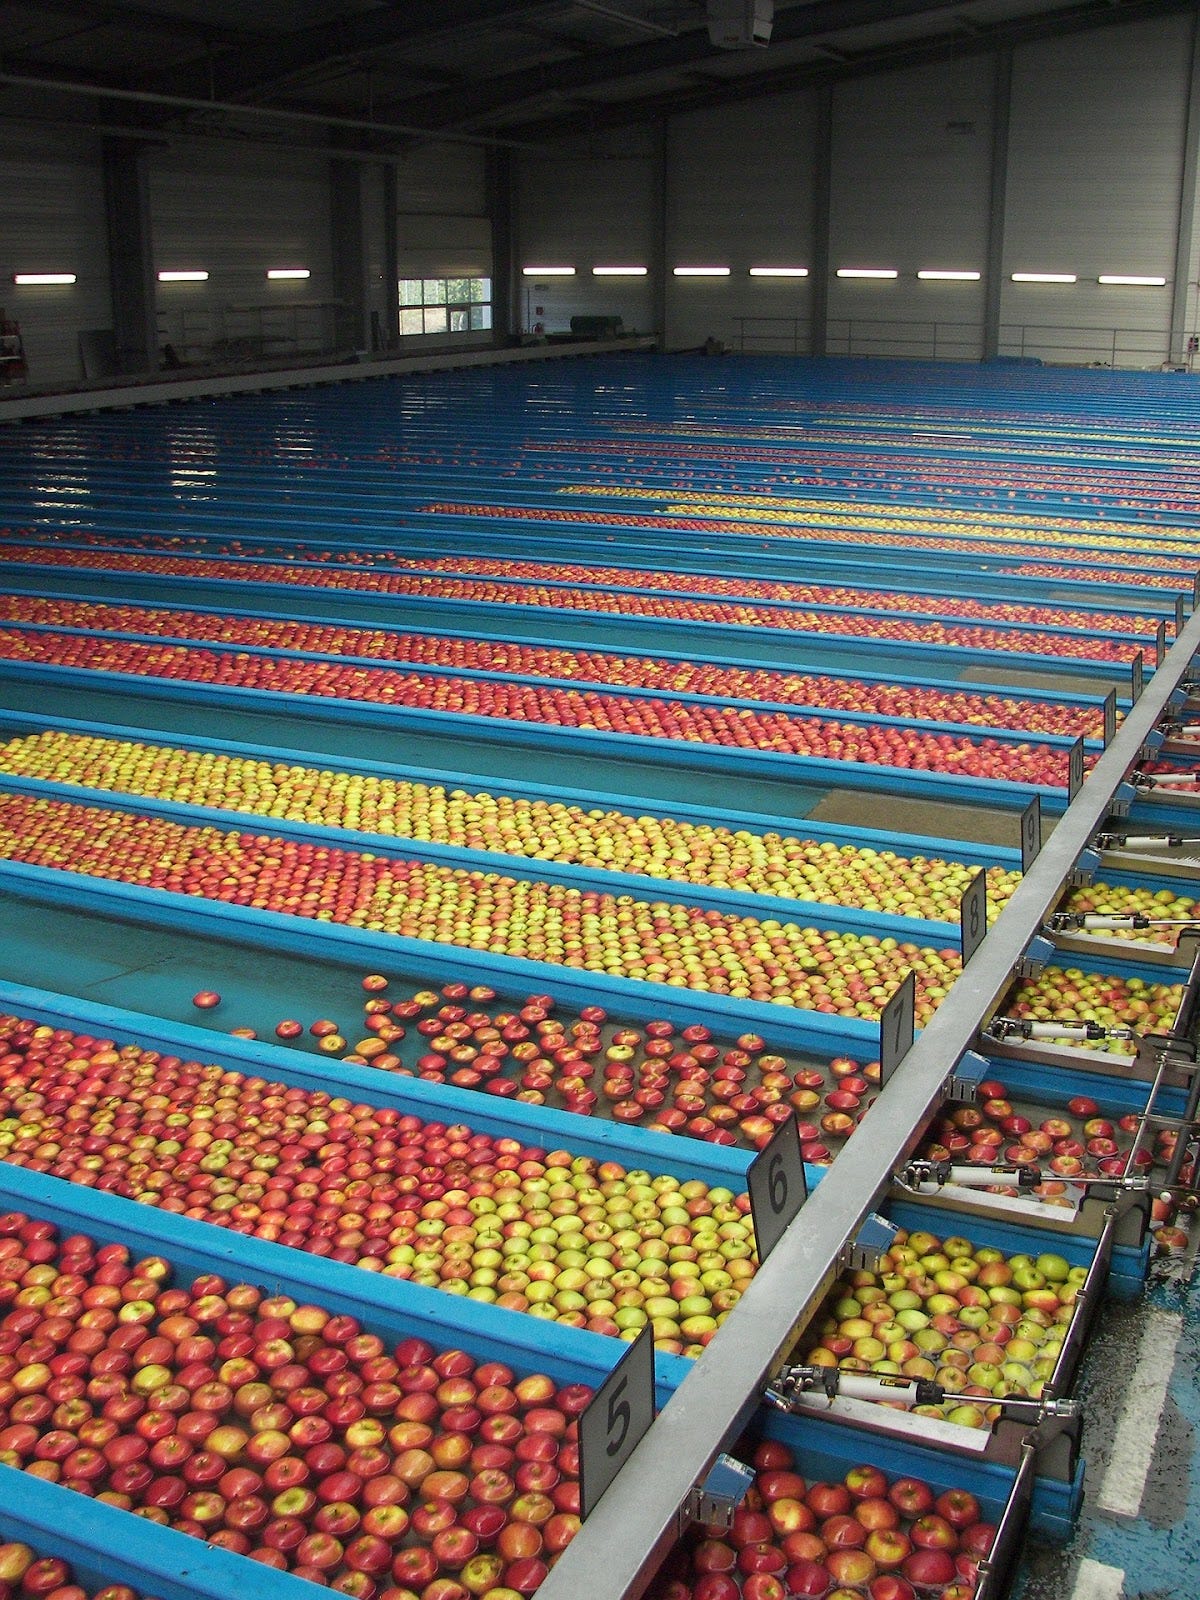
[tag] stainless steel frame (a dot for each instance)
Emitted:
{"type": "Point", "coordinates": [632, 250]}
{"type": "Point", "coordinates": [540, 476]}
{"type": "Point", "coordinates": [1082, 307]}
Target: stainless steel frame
{"type": "Point", "coordinates": [620, 1547]}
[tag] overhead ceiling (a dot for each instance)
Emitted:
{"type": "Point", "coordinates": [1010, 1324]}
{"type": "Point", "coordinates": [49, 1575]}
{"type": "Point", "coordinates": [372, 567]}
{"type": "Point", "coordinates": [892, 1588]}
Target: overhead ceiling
{"type": "Point", "coordinates": [380, 74]}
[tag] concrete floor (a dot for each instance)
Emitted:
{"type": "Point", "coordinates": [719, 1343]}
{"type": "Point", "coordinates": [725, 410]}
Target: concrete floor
{"type": "Point", "coordinates": [1139, 1535]}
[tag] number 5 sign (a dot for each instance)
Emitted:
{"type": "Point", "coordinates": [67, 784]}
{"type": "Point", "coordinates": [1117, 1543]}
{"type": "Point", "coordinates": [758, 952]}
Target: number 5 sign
{"type": "Point", "coordinates": [617, 1416]}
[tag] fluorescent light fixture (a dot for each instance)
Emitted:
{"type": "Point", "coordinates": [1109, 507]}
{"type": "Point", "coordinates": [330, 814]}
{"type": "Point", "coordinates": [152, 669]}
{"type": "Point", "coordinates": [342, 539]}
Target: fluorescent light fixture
{"type": "Point", "coordinates": [937, 275]}
{"type": "Point", "coordinates": [1123, 277]}
{"type": "Point", "coordinates": [779, 272]}
{"type": "Point", "coordinates": [1044, 277]}
{"type": "Point", "coordinates": [548, 272]}
{"type": "Point", "coordinates": [867, 272]}
{"type": "Point", "coordinates": [619, 272]}
{"type": "Point", "coordinates": [183, 277]}
{"type": "Point", "coordinates": [700, 272]}
{"type": "Point", "coordinates": [40, 279]}
{"type": "Point", "coordinates": [278, 273]}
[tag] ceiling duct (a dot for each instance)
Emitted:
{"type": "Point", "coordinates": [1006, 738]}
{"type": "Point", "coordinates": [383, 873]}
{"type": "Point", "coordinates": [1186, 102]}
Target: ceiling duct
{"type": "Point", "coordinates": [740, 24]}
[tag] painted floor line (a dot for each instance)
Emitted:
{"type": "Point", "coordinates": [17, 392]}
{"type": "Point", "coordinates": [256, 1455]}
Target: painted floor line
{"type": "Point", "coordinates": [1095, 1581]}
{"type": "Point", "coordinates": [1124, 1480]}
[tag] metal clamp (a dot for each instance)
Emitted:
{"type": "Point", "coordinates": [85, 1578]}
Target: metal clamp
{"type": "Point", "coordinates": [714, 1502]}
{"type": "Point", "coordinates": [786, 1392]}
{"type": "Point", "coordinates": [1148, 782]}
{"type": "Point", "coordinates": [919, 1176]}
{"type": "Point", "coordinates": [1085, 869]}
{"type": "Point", "coordinates": [1086, 921]}
{"type": "Point", "coordinates": [1117, 840]}
{"type": "Point", "coordinates": [962, 1086]}
{"type": "Point", "coordinates": [1038, 952]}
{"type": "Point", "coordinates": [873, 1240]}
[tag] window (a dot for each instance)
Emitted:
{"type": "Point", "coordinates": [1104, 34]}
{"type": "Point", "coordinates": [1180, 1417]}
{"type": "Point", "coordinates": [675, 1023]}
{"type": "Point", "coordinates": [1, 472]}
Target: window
{"type": "Point", "coordinates": [445, 305]}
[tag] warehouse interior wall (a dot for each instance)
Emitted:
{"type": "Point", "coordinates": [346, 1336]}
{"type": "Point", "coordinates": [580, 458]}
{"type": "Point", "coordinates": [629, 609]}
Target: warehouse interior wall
{"type": "Point", "coordinates": [899, 178]}
{"type": "Point", "coordinates": [591, 204]}
{"type": "Point", "coordinates": [1095, 161]}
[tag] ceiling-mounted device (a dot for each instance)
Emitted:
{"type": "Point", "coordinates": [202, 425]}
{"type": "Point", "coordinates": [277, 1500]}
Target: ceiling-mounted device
{"type": "Point", "coordinates": [740, 24]}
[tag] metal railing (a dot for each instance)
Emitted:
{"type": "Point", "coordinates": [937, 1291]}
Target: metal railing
{"type": "Point", "coordinates": [775, 334]}
{"type": "Point", "coordinates": [1068, 346]}
{"type": "Point", "coordinates": [916, 340]}
{"type": "Point", "coordinates": [955, 341]}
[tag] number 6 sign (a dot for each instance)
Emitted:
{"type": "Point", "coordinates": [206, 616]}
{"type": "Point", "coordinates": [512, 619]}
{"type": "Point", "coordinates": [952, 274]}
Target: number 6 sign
{"type": "Point", "coordinates": [777, 1186]}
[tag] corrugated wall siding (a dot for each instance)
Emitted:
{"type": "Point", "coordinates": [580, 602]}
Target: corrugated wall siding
{"type": "Point", "coordinates": [740, 194]}
{"type": "Point", "coordinates": [1093, 186]}
{"type": "Point", "coordinates": [585, 210]}
{"type": "Point", "coordinates": [1095, 157]}
{"type": "Point", "coordinates": [235, 213]}
{"type": "Point", "coordinates": [911, 157]}
{"type": "Point", "coordinates": [53, 221]}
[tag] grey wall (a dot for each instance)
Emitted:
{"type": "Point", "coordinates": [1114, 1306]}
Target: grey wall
{"type": "Point", "coordinates": [1093, 185]}
{"type": "Point", "coordinates": [52, 220]}
{"type": "Point", "coordinates": [588, 208]}
{"type": "Point", "coordinates": [1093, 180]}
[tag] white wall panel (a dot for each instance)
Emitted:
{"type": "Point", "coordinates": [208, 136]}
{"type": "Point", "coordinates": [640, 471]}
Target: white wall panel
{"type": "Point", "coordinates": [911, 155]}
{"type": "Point", "coordinates": [587, 210]}
{"type": "Point", "coordinates": [52, 220]}
{"type": "Point", "coordinates": [740, 194]}
{"type": "Point", "coordinates": [441, 202]}
{"type": "Point", "coordinates": [1095, 157]}
{"type": "Point", "coordinates": [442, 226]}
{"type": "Point", "coordinates": [235, 213]}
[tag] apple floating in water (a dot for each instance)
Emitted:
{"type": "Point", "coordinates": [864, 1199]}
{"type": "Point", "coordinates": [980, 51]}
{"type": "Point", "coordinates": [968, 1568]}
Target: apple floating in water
{"type": "Point", "coordinates": [316, 1449]}
{"type": "Point", "coordinates": [627, 1249]}
{"type": "Point", "coordinates": [863, 1538]}
{"type": "Point", "coordinates": [206, 999]}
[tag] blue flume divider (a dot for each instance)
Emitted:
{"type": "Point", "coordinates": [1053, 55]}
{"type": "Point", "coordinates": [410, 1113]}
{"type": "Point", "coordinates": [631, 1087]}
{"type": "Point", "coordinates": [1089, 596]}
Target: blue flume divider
{"type": "Point", "coordinates": [797, 769]}
{"type": "Point", "coordinates": [22, 723]}
{"type": "Point", "coordinates": [636, 1148]}
{"type": "Point", "coordinates": [394, 611]}
{"type": "Point", "coordinates": [815, 558]}
{"type": "Point", "coordinates": [809, 912]}
{"type": "Point", "coordinates": [802, 713]}
{"type": "Point", "coordinates": [811, 1031]}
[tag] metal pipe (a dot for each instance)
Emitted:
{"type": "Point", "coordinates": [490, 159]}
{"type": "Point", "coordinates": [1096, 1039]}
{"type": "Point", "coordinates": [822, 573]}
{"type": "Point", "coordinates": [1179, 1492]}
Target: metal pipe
{"type": "Point", "coordinates": [617, 15]}
{"type": "Point", "coordinates": [618, 1549]}
{"type": "Point", "coordinates": [183, 102]}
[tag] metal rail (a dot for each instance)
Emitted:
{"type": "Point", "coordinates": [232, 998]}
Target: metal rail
{"type": "Point", "coordinates": [619, 1548]}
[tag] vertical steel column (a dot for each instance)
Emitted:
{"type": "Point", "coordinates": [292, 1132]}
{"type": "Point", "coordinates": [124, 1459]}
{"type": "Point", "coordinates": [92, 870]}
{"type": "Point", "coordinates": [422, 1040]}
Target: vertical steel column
{"type": "Point", "coordinates": [822, 201]}
{"type": "Point", "coordinates": [391, 257]}
{"type": "Point", "coordinates": [502, 213]}
{"type": "Point", "coordinates": [130, 254]}
{"type": "Point", "coordinates": [1185, 227]}
{"type": "Point", "coordinates": [993, 273]}
{"type": "Point", "coordinates": [348, 251]}
{"type": "Point", "coordinates": [658, 263]}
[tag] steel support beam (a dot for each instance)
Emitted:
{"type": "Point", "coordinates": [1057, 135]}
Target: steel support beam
{"type": "Point", "coordinates": [130, 255]}
{"type": "Point", "coordinates": [993, 269]}
{"type": "Point", "coordinates": [1182, 283]}
{"type": "Point", "coordinates": [822, 203]}
{"type": "Point", "coordinates": [502, 212]}
{"type": "Point", "coordinates": [617, 1551]}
